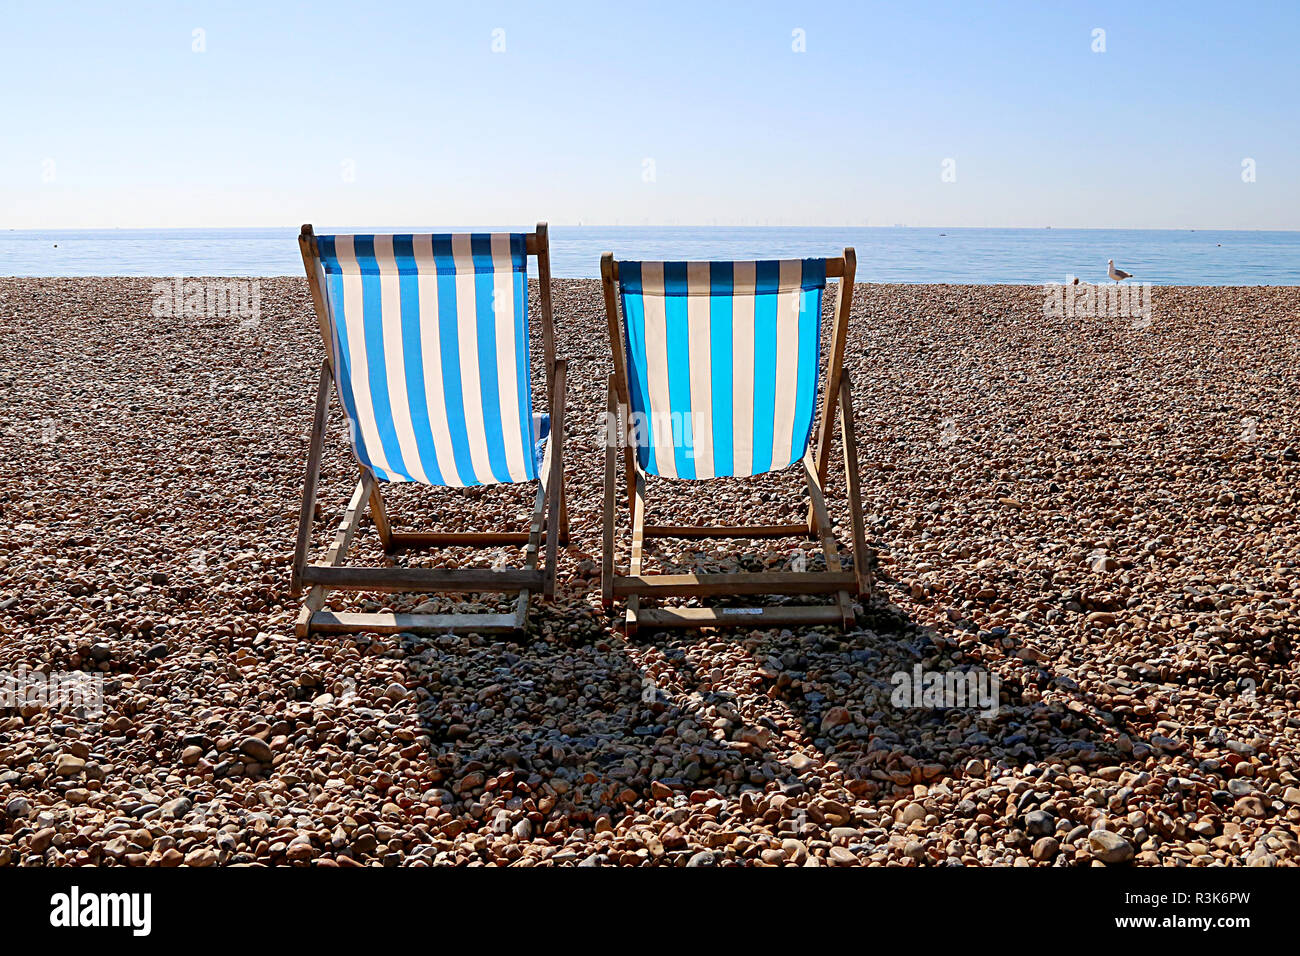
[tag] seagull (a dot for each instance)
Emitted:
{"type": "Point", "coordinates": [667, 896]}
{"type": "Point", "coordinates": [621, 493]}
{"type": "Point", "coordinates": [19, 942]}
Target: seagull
{"type": "Point", "coordinates": [1117, 274]}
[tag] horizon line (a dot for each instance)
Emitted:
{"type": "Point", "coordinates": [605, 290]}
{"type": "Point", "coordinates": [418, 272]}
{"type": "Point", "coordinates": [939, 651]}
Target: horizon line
{"type": "Point", "coordinates": [615, 225]}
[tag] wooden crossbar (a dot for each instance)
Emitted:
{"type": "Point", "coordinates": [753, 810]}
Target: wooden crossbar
{"type": "Point", "coordinates": [738, 616]}
{"type": "Point", "coordinates": [723, 531]}
{"type": "Point", "coordinates": [334, 622]}
{"type": "Point", "coordinates": [719, 584]}
{"type": "Point", "coordinates": [835, 267]}
{"type": "Point", "coordinates": [404, 540]}
{"type": "Point", "coordinates": [397, 580]}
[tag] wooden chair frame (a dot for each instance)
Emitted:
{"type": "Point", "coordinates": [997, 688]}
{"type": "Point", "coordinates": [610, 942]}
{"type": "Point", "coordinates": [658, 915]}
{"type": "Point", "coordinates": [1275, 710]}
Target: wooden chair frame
{"type": "Point", "coordinates": [549, 514]}
{"type": "Point", "coordinates": [636, 585]}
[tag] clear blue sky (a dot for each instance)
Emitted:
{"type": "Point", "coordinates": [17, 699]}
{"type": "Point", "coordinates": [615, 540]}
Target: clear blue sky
{"type": "Point", "coordinates": [112, 119]}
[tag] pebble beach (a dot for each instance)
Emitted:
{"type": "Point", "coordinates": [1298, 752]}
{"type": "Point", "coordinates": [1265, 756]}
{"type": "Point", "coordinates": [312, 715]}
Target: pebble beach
{"type": "Point", "coordinates": [1099, 513]}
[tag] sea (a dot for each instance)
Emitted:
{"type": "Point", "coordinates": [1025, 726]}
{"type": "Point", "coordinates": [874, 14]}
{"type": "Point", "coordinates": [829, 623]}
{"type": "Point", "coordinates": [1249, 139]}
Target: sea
{"type": "Point", "coordinates": [884, 253]}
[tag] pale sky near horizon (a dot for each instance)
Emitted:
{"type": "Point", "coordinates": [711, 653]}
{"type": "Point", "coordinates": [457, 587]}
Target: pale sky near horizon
{"type": "Point", "coordinates": [651, 113]}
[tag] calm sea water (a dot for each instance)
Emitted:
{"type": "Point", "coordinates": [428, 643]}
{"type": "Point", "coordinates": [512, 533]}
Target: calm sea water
{"type": "Point", "coordinates": [885, 254]}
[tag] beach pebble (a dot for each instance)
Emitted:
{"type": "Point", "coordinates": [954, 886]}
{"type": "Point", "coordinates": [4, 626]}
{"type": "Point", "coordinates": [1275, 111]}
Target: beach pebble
{"type": "Point", "coordinates": [1110, 847]}
{"type": "Point", "coordinates": [256, 749]}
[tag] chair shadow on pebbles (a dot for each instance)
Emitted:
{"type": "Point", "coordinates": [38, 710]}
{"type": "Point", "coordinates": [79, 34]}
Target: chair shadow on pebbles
{"type": "Point", "coordinates": [887, 706]}
{"type": "Point", "coordinates": [797, 734]}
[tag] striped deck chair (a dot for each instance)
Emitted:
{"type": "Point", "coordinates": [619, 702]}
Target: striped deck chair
{"type": "Point", "coordinates": [426, 342]}
{"type": "Point", "coordinates": [716, 373]}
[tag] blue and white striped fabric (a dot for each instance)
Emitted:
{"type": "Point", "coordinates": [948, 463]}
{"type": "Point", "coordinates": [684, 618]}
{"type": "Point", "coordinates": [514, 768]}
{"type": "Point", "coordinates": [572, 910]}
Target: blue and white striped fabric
{"type": "Point", "coordinates": [722, 363]}
{"type": "Point", "coordinates": [430, 342]}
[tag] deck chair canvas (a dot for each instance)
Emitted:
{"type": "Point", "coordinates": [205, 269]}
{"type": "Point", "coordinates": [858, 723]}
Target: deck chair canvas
{"type": "Point", "coordinates": [716, 373]}
{"type": "Point", "coordinates": [427, 348]}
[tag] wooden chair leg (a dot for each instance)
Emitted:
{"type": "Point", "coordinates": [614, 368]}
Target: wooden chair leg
{"type": "Point", "coordinates": [564, 515]}
{"type": "Point", "coordinates": [532, 548]}
{"type": "Point", "coordinates": [556, 476]}
{"type": "Point", "coordinates": [822, 520]}
{"type": "Point", "coordinates": [379, 513]}
{"type": "Point", "coordinates": [612, 440]}
{"type": "Point", "coordinates": [629, 454]}
{"type": "Point", "coordinates": [306, 517]}
{"type": "Point", "coordinates": [861, 555]}
{"type": "Point", "coordinates": [521, 611]}
{"type": "Point", "coordinates": [632, 617]}
{"type": "Point", "coordinates": [564, 510]}
{"type": "Point", "coordinates": [835, 361]}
